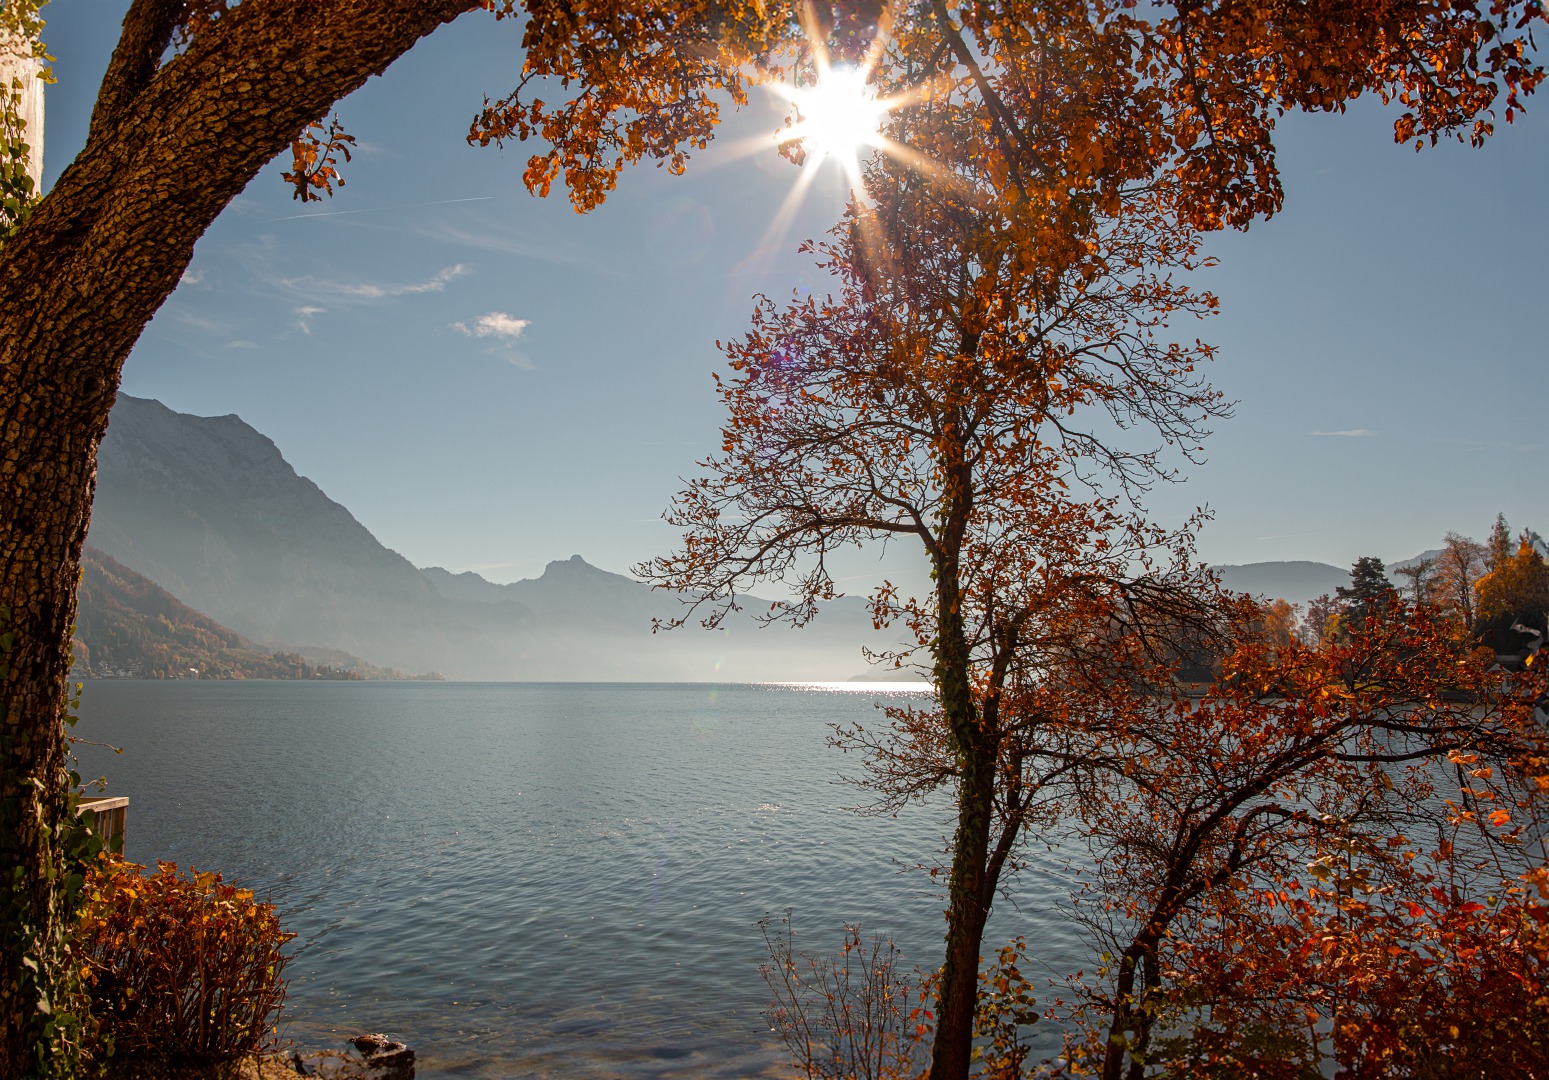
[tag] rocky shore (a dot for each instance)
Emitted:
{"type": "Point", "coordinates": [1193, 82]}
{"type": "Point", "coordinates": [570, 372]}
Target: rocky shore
{"type": "Point", "coordinates": [370, 1057]}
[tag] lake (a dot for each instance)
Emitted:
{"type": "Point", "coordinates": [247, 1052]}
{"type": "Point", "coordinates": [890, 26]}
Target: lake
{"type": "Point", "coordinates": [547, 880]}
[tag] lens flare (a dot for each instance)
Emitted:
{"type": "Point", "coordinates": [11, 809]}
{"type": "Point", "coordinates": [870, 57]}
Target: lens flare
{"type": "Point", "coordinates": [840, 118]}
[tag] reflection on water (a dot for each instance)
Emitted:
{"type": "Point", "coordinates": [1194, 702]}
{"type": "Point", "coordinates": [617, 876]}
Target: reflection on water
{"type": "Point", "coordinates": [546, 880]}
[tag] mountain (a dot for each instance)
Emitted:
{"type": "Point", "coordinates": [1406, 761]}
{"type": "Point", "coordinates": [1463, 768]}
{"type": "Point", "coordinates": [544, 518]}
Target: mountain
{"type": "Point", "coordinates": [1403, 564]}
{"type": "Point", "coordinates": [609, 616]}
{"type": "Point", "coordinates": [1297, 582]}
{"type": "Point", "coordinates": [210, 510]}
{"type": "Point", "coordinates": [127, 625]}
{"type": "Point", "coordinates": [567, 589]}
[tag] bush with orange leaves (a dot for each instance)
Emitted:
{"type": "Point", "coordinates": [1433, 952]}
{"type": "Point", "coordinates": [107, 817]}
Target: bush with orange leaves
{"type": "Point", "coordinates": [179, 966]}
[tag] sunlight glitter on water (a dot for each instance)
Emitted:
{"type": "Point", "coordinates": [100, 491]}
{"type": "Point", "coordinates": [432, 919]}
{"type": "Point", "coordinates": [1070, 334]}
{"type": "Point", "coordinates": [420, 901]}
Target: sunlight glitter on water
{"type": "Point", "coordinates": [879, 687]}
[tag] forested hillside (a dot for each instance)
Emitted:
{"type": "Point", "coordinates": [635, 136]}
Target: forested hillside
{"type": "Point", "coordinates": [128, 626]}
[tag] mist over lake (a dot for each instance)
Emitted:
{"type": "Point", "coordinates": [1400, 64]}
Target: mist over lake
{"type": "Point", "coordinates": [536, 879]}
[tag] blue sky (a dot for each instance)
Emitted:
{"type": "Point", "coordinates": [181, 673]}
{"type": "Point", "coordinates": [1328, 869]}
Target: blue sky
{"type": "Point", "coordinates": [490, 381]}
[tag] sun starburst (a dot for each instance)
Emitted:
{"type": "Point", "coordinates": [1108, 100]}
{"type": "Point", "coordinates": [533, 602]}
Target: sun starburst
{"type": "Point", "coordinates": [839, 117]}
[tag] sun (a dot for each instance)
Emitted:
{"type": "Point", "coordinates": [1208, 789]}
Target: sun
{"type": "Point", "coordinates": [839, 117]}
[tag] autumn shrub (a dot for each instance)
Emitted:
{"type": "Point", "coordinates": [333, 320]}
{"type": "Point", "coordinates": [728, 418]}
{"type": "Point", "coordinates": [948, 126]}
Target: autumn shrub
{"type": "Point", "coordinates": [180, 966]}
{"type": "Point", "coordinates": [1469, 997]}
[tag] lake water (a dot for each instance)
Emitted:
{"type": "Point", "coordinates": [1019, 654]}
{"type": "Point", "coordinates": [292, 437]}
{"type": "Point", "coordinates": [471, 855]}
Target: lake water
{"type": "Point", "coordinates": [544, 880]}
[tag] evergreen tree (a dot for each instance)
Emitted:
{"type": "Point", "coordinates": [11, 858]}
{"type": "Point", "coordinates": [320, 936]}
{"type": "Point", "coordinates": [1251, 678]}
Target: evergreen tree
{"type": "Point", "coordinates": [1369, 586]}
{"type": "Point", "coordinates": [1500, 546]}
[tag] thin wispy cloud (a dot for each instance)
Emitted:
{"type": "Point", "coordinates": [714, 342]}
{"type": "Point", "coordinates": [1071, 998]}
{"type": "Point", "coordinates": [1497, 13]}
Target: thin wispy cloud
{"type": "Point", "coordinates": [489, 237]}
{"type": "Point", "coordinates": [304, 317]}
{"type": "Point", "coordinates": [242, 343]}
{"type": "Point", "coordinates": [496, 324]}
{"type": "Point", "coordinates": [373, 290]}
{"type": "Point", "coordinates": [435, 284]}
{"type": "Point", "coordinates": [203, 323]}
{"type": "Point", "coordinates": [191, 277]}
{"type": "Point", "coordinates": [1474, 446]}
{"type": "Point", "coordinates": [1347, 433]}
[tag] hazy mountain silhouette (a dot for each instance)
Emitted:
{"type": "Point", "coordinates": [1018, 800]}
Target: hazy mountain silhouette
{"type": "Point", "coordinates": [210, 510]}
{"type": "Point", "coordinates": [1296, 582]}
{"type": "Point", "coordinates": [569, 588]}
{"type": "Point", "coordinates": [574, 601]}
{"type": "Point", "coordinates": [1300, 582]}
{"type": "Point", "coordinates": [1430, 553]}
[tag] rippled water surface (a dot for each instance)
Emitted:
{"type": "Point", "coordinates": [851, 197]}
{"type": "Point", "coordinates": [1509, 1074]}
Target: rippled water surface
{"type": "Point", "coordinates": [545, 880]}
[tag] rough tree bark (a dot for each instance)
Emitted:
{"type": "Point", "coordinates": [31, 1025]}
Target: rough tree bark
{"type": "Point", "coordinates": [170, 144]}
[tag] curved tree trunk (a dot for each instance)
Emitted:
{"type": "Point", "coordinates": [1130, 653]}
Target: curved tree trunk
{"type": "Point", "coordinates": [169, 146]}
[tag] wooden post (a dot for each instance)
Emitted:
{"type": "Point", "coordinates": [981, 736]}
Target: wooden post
{"type": "Point", "coordinates": [17, 62]}
{"type": "Point", "coordinates": [109, 813]}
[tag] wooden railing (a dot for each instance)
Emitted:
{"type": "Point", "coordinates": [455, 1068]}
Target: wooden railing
{"type": "Point", "coordinates": [109, 812]}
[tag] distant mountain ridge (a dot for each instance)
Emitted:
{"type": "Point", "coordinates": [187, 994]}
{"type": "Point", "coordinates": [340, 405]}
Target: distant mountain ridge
{"type": "Point", "coordinates": [573, 586]}
{"type": "Point", "coordinates": [128, 626]}
{"type": "Point", "coordinates": [566, 588]}
{"type": "Point", "coordinates": [1296, 581]}
{"type": "Point", "coordinates": [210, 510]}
{"type": "Point", "coordinates": [1301, 581]}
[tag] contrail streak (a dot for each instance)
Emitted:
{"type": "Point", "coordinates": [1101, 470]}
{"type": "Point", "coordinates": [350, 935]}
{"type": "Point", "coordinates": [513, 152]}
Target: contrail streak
{"type": "Point", "coordinates": [372, 209]}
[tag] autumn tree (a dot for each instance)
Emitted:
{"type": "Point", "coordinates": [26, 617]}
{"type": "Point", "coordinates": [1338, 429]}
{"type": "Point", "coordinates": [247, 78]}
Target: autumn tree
{"type": "Point", "coordinates": [1385, 785]}
{"type": "Point", "coordinates": [1518, 585]}
{"type": "Point", "coordinates": [170, 144]}
{"type": "Point", "coordinates": [200, 94]}
{"type": "Point", "coordinates": [1321, 610]}
{"type": "Point", "coordinates": [1458, 568]}
{"type": "Point", "coordinates": [1280, 621]}
{"type": "Point", "coordinates": [1514, 601]}
{"type": "Point", "coordinates": [1419, 574]}
{"type": "Point", "coordinates": [953, 397]}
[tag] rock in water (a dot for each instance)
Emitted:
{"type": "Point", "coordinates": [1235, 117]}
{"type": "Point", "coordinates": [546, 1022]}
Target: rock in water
{"type": "Point", "coordinates": [386, 1059]}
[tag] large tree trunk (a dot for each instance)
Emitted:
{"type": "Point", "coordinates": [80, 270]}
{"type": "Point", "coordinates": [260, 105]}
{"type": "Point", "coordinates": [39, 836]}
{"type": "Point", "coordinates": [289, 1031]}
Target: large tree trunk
{"type": "Point", "coordinates": [169, 146]}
